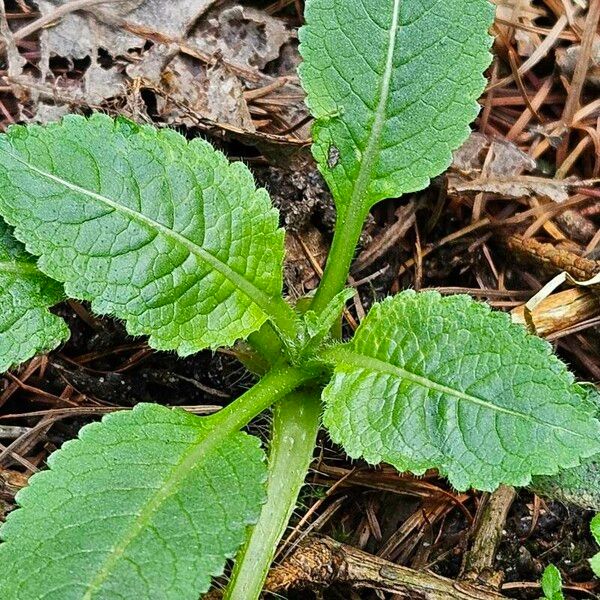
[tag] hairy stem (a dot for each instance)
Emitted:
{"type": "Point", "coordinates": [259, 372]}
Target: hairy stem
{"type": "Point", "coordinates": [295, 426]}
{"type": "Point", "coordinates": [283, 317]}
{"type": "Point", "coordinates": [347, 233]}
{"type": "Point", "coordinates": [350, 222]}
{"type": "Point", "coordinates": [275, 385]}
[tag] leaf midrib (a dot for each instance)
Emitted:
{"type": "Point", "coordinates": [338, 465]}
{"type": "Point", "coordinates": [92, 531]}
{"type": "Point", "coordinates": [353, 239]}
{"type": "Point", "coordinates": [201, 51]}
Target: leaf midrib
{"type": "Point", "coordinates": [267, 304]}
{"type": "Point", "coordinates": [207, 440]}
{"type": "Point", "coordinates": [345, 356]}
{"type": "Point", "coordinates": [215, 431]}
{"type": "Point", "coordinates": [357, 201]}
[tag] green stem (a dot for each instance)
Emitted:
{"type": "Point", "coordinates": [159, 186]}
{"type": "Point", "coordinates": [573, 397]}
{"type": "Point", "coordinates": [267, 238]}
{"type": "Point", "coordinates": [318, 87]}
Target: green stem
{"type": "Point", "coordinates": [294, 432]}
{"type": "Point", "coordinates": [276, 384]}
{"type": "Point", "coordinates": [350, 221]}
{"type": "Point", "coordinates": [347, 233]}
{"type": "Point", "coordinates": [295, 425]}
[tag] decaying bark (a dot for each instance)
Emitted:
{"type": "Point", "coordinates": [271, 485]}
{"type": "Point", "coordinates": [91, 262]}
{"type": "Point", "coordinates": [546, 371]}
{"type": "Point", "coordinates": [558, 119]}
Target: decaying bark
{"type": "Point", "coordinates": [321, 562]}
{"type": "Point", "coordinates": [561, 311]}
{"type": "Point", "coordinates": [550, 258]}
{"type": "Point", "coordinates": [478, 562]}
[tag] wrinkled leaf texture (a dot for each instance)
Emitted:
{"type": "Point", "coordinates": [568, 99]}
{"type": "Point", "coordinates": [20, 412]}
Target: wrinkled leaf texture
{"type": "Point", "coordinates": [446, 383]}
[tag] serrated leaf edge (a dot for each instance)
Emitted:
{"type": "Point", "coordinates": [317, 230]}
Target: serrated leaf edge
{"type": "Point", "coordinates": [370, 154]}
{"type": "Point", "coordinates": [28, 269]}
{"type": "Point", "coordinates": [215, 436]}
{"type": "Point", "coordinates": [251, 291]}
{"type": "Point", "coordinates": [274, 308]}
{"type": "Point", "coordinates": [340, 352]}
{"type": "Point", "coordinates": [362, 182]}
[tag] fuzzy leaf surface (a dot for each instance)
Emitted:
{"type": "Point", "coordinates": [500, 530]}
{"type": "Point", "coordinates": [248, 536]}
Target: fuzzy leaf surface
{"type": "Point", "coordinates": [158, 231]}
{"type": "Point", "coordinates": [27, 327]}
{"type": "Point", "coordinates": [579, 485]}
{"type": "Point", "coordinates": [393, 86]}
{"type": "Point", "coordinates": [432, 382]}
{"type": "Point", "coordinates": [146, 504]}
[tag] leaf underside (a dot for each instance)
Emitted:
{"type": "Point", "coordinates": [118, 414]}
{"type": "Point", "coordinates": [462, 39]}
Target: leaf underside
{"type": "Point", "coordinates": [147, 504]}
{"type": "Point", "coordinates": [579, 485]}
{"type": "Point", "coordinates": [432, 382]}
{"type": "Point", "coordinates": [27, 327]}
{"type": "Point", "coordinates": [162, 233]}
{"type": "Point", "coordinates": [393, 86]}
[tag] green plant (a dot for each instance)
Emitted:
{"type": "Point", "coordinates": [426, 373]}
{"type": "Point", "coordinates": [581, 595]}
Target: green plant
{"type": "Point", "coordinates": [168, 236]}
{"type": "Point", "coordinates": [552, 584]}
{"type": "Point", "coordinates": [579, 486]}
{"type": "Point", "coordinates": [595, 529]}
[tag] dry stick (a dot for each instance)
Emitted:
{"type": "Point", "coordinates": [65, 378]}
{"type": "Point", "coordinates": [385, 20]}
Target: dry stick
{"type": "Point", "coordinates": [58, 13]}
{"type": "Point", "coordinates": [322, 561]}
{"type": "Point", "coordinates": [405, 219]}
{"type": "Point", "coordinates": [560, 313]}
{"type": "Point", "coordinates": [542, 31]}
{"type": "Point", "coordinates": [478, 562]}
{"type": "Point", "coordinates": [540, 52]}
{"type": "Point", "coordinates": [550, 258]}
{"type": "Point", "coordinates": [540, 97]}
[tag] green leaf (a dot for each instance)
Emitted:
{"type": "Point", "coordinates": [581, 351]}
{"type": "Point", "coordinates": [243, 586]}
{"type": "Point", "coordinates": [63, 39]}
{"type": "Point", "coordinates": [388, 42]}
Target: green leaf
{"type": "Point", "coordinates": [447, 383]}
{"type": "Point", "coordinates": [146, 504]}
{"type": "Point", "coordinates": [595, 529]}
{"type": "Point", "coordinates": [579, 485]}
{"type": "Point", "coordinates": [393, 86]}
{"type": "Point", "coordinates": [552, 584]}
{"type": "Point", "coordinates": [160, 232]}
{"type": "Point", "coordinates": [27, 327]}
{"type": "Point", "coordinates": [317, 326]}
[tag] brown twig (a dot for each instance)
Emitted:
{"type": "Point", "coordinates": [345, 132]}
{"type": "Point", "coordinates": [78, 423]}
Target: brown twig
{"type": "Point", "coordinates": [579, 76]}
{"type": "Point", "coordinates": [322, 561]}
{"type": "Point", "coordinates": [558, 314]}
{"type": "Point", "coordinates": [58, 13]}
{"type": "Point", "coordinates": [552, 259]}
{"type": "Point", "coordinates": [478, 562]}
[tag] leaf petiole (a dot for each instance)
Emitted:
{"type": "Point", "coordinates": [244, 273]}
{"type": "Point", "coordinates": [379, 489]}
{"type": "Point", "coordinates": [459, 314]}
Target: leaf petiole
{"type": "Point", "coordinates": [294, 431]}
{"type": "Point", "coordinates": [280, 381]}
{"type": "Point", "coordinates": [346, 236]}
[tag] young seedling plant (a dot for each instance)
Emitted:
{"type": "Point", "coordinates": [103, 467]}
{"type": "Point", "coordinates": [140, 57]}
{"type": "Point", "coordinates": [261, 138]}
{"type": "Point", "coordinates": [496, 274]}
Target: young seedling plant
{"type": "Point", "coordinates": [168, 236]}
{"type": "Point", "coordinates": [552, 584]}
